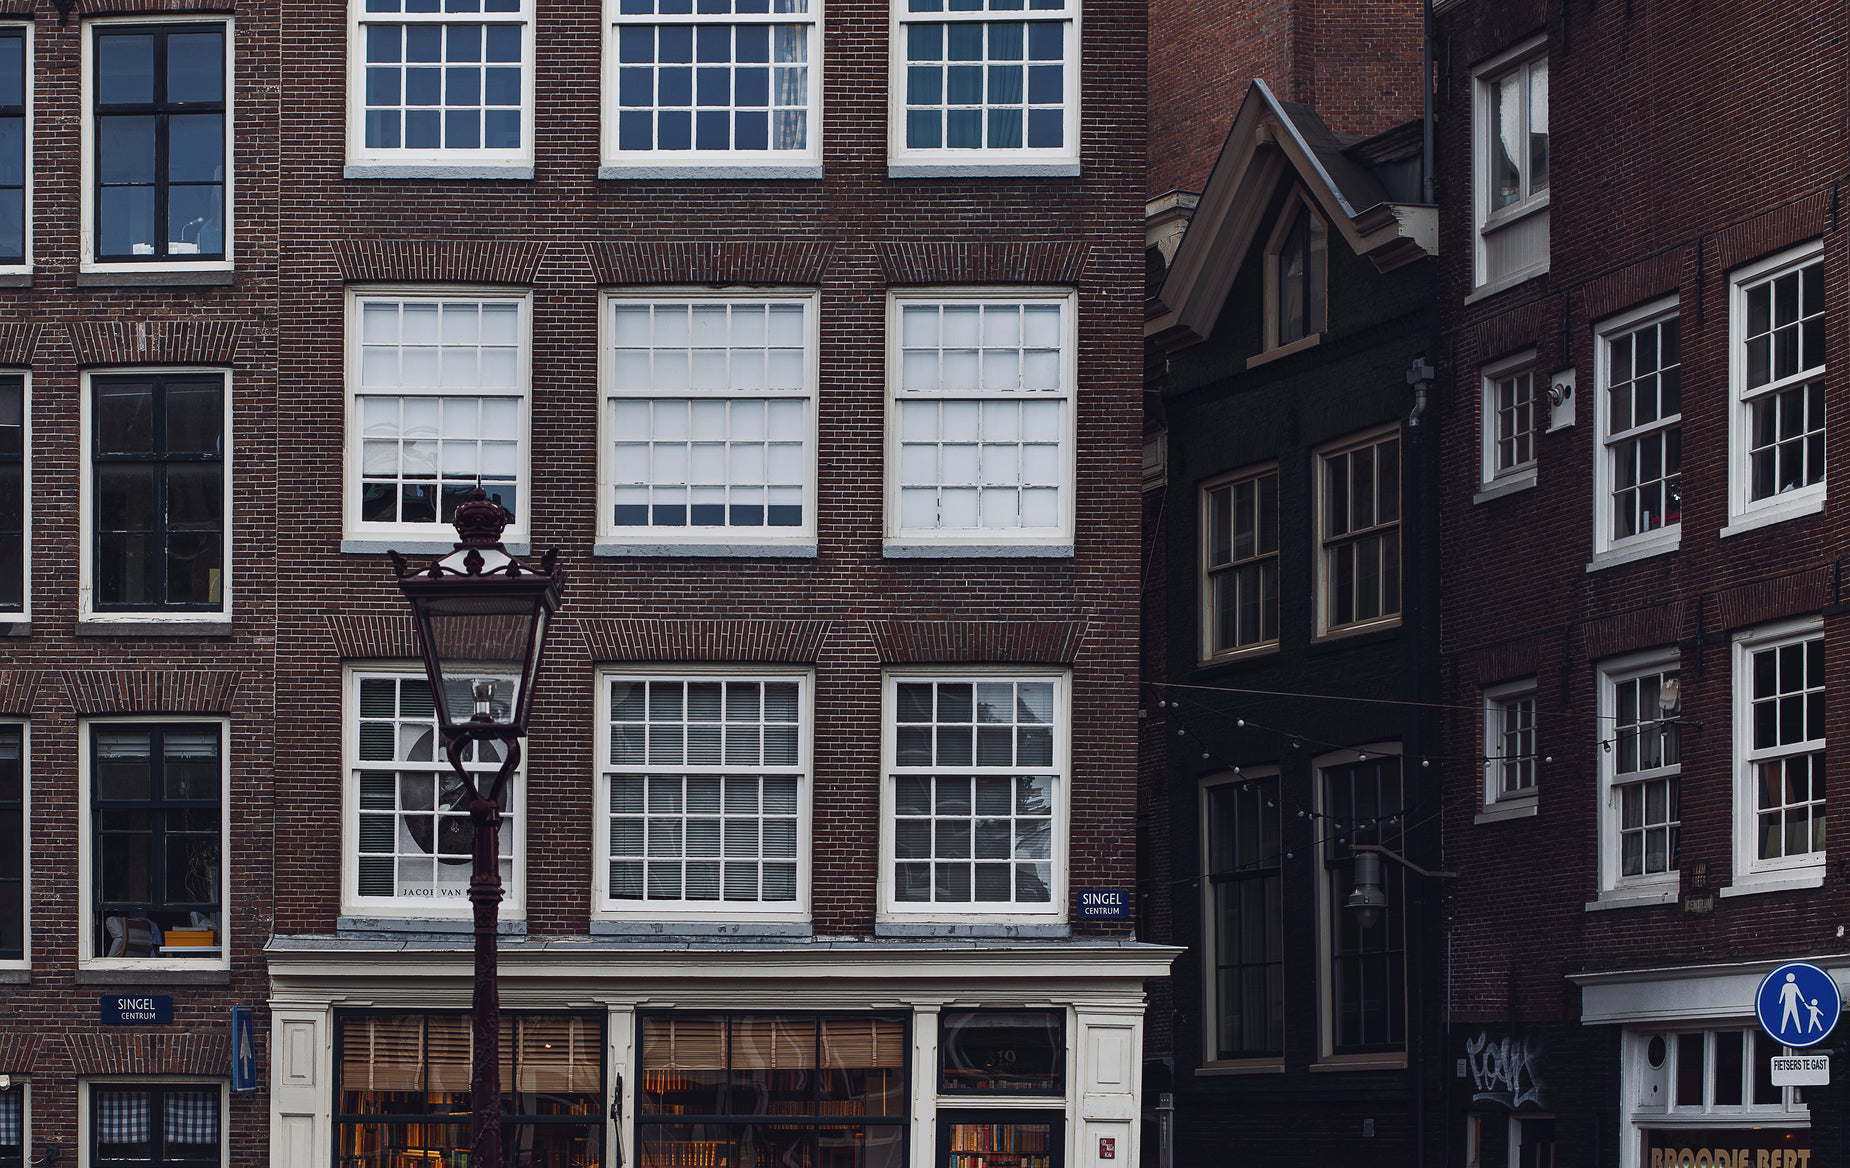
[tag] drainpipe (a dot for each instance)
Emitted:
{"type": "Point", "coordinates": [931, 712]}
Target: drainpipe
{"type": "Point", "coordinates": [1413, 567]}
{"type": "Point", "coordinates": [1426, 184]}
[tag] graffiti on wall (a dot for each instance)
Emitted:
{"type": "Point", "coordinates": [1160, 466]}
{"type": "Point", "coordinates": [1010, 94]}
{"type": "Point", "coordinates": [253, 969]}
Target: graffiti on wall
{"type": "Point", "coordinates": [1506, 1069]}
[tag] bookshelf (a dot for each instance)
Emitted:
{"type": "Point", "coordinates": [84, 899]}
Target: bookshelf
{"type": "Point", "coordinates": [990, 1139]}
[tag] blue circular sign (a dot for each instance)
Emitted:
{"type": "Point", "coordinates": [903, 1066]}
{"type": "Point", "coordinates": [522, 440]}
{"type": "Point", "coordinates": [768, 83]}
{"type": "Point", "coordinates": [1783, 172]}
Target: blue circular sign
{"type": "Point", "coordinates": [1798, 1004]}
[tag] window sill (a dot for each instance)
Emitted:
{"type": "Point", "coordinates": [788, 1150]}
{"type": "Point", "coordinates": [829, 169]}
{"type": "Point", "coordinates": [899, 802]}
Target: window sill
{"type": "Point", "coordinates": [894, 549]}
{"type": "Point", "coordinates": [1285, 350]}
{"type": "Point", "coordinates": [635, 171]}
{"type": "Point", "coordinates": [1509, 484]}
{"type": "Point", "coordinates": [1063, 168]}
{"type": "Point", "coordinates": [1243, 1067]}
{"type": "Point", "coordinates": [163, 278]}
{"type": "Point", "coordinates": [1506, 809]}
{"type": "Point", "coordinates": [1776, 512]}
{"type": "Point", "coordinates": [1349, 634]}
{"type": "Point", "coordinates": [791, 551]}
{"type": "Point", "coordinates": [16, 628]}
{"type": "Point", "coordinates": [1631, 553]}
{"type": "Point", "coordinates": [462, 926]}
{"type": "Point", "coordinates": [1515, 280]}
{"type": "Point", "coordinates": [15, 279]}
{"type": "Point", "coordinates": [1359, 1062]}
{"type": "Point", "coordinates": [1790, 880]}
{"type": "Point", "coordinates": [1633, 898]}
{"type": "Point", "coordinates": [15, 976]}
{"type": "Point", "coordinates": [92, 627]}
{"type": "Point", "coordinates": [198, 974]}
{"type": "Point", "coordinates": [439, 170]}
{"type": "Point", "coordinates": [998, 931]}
{"type": "Point", "coordinates": [682, 929]}
{"type": "Point", "coordinates": [418, 547]}
{"type": "Point", "coordinates": [1234, 656]}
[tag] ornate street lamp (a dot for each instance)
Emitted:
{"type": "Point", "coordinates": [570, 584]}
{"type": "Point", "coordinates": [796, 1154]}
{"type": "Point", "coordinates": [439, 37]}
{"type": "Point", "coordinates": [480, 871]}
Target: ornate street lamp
{"type": "Point", "coordinates": [481, 620]}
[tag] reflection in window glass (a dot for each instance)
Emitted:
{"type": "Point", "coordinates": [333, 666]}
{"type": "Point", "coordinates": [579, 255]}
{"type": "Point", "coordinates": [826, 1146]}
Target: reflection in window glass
{"type": "Point", "coordinates": [160, 142]}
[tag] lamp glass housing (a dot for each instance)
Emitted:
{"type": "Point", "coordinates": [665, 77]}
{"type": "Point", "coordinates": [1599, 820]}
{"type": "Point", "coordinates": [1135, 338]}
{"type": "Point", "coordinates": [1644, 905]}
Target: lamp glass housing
{"type": "Point", "coordinates": [481, 635]}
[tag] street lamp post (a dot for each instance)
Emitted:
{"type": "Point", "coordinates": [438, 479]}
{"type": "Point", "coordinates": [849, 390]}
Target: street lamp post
{"type": "Point", "coordinates": [481, 617]}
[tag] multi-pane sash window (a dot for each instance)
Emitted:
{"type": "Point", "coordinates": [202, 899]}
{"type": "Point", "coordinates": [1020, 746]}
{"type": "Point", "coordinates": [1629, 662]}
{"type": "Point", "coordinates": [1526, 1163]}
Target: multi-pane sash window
{"type": "Point", "coordinates": [1360, 518]}
{"type": "Point", "coordinates": [1510, 422]}
{"type": "Point", "coordinates": [13, 1126]}
{"type": "Point", "coordinates": [159, 460]}
{"type": "Point", "coordinates": [727, 81]}
{"type": "Point", "coordinates": [710, 416]}
{"type": "Point", "coordinates": [1363, 804]}
{"type": "Point", "coordinates": [1717, 1069]}
{"type": "Point", "coordinates": [152, 1125]}
{"type": "Point", "coordinates": [1643, 761]}
{"type": "Point", "coordinates": [1246, 914]}
{"type": "Point", "coordinates": [1519, 134]}
{"type": "Point", "coordinates": [412, 838]}
{"type": "Point", "coordinates": [156, 795]}
{"type": "Point", "coordinates": [1240, 599]}
{"type": "Point", "coordinates": [703, 792]}
{"type": "Point", "coordinates": [1779, 377]}
{"type": "Point", "coordinates": [983, 417]}
{"type": "Point", "coordinates": [442, 79]}
{"type": "Point", "coordinates": [987, 74]}
{"type": "Point", "coordinates": [976, 764]}
{"type": "Point", "coordinates": [1297, 265]}
{"type": "Point", "coordinates": [440, 399]}
{"type": "Point", "coordinates": [1783, 754]}
{"type": "Point", "coordinates": [13, 856]}
{"type": "Point", "coordinates": [12, 492]}
{"type": "Point", "coordinates": [161, 150]}
{"type": "Point", "coordinates": [1642, 415]}
{"type": "Point", "coordinates": [1509, 113]}
{"type": "Point", "coordinates": [1509, 742]}
{"type": "Point", "coordinates": [12, 145]}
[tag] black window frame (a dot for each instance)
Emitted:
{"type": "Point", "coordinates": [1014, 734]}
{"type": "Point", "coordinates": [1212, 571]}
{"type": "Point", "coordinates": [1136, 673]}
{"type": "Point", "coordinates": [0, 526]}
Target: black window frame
{"type": "Point", "coordinates": [14, 861]}
{"type": "Point", "coordinates": [947, 1087]}
{"type": "Point", "coordinates": [14, 1155]}
{"type": "Point", "coordinates": [160, 109]}
{"type": "Point", "coordinates": [16, 112]}
{"type": "Point", "coordinates": [1385, 942]}
{"type": "Point", "coordinates": [159, 806]}
{"type": "Point", "coordinates": [1265, 870]}
{"type": "Point", "coordinates": [12, 494]}
{"type": "Point", "coordinates": [156, 459]}
{"type": "Point", "coordinates": [157, 1122]}
{"type": "Point", "coordinates": [950, 1119]}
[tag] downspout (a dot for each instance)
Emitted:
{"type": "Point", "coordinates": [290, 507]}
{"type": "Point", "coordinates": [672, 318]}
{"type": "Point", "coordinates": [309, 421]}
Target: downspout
{"type": "Point", "coordinates": [1413, 567]}
{"type": "Point", "coordinates": [1426, 184]}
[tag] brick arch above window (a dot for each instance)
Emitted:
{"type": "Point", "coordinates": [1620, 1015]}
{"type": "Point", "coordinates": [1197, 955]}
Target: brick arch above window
{"type": "Point", "coordinates": [148, 1054]}
{"type": "Point", "coordinates": [445, 261]}
{"type": "Point", "coordinates": [154, 342]}
{"type": "Point", "coordinates": [978, 262]}
{"type": "Point", "coordinates": [150, 691]}
{"type": "Point", "coordinates": [792, 263]}
{"type": "Point", "coordinates": [944, 642]}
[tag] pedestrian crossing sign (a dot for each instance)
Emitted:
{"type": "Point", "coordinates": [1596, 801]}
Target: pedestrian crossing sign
{"type": "Point", "coordinates": [1798, 1004]}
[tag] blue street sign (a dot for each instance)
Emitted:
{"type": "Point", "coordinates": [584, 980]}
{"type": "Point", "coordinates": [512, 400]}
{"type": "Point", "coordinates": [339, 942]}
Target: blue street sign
{"type": "Point", "coordinates": [1104, 904]}
{"type": "Point", "coordinates": [1798, 1004]}
{"type": "Point", "coordinates": [243, 1051]}
{"type": "Point", "coordinates": [136, 1009]}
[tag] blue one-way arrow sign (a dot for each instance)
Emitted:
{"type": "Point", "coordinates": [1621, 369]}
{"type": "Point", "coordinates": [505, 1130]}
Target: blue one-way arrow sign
{"type": "Point", "coordinates": [1798, 1004]}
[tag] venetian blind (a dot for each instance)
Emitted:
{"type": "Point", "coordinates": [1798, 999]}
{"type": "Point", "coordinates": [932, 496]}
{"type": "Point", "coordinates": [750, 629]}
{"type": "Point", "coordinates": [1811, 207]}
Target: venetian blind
{"type": "Point", "coordinates": [863, 1043]}
{"type": "Point", "coordinates": [684, 1044]}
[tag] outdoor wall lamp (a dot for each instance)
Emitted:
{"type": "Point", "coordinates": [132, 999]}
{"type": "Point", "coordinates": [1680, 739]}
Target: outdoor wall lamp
{"type": "Point", "coordinates": [1369, 899]}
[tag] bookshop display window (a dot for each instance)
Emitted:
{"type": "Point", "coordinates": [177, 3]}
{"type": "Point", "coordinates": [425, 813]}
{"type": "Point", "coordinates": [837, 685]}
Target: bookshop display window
{"type": "Point", "coordinates": [404, 1090]}
{"type": "Point", "coordinates": [999, 1139]}
{"type": "Point", "coordinates": [772, 1090]}
{"type": "Point", "coordinates": [1002, 1052]}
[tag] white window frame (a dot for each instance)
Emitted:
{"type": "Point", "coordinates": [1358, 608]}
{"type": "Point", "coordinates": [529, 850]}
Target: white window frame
{"type": "Point", "coordinates": [87, 957]}
{"type": "Point", "coordinates": [25, 266]}
{"type": "Point", "coordinates": [211, 621]}
{"type": "Point", "coordinates": [1316, 275]}
{"type": "Point", "coordinates": [1521, 473]}
{"type": "Point", "coordinates": [1639, 1080]}
{"type": "Point", "coordinates": [514, 891]}
{"type": "Point", "coordinates": [24, 615]}
{"type": "Point", "coordinates": [1054, 911]}
{"type": "Point", "coordinates": [429, 538]}
{"type": "Point", "coordinates": [982, 541]}
{"type": "Point", "coordinates": [694, 163]}
{"type": "Point", "coordinates": [1651, 887]}
{"type": "Point", "coordinates": [1210, 932]}
{"type": "Point", "coordinates": [86, 1122]}
{"type": "Point", "coordinates": [87, 138]}
{"type": "Point", "coordinates": [1752, 874]}
{"type": "Point", "coordinates": [1485, 221]}
{"type": "Point", "coordinates": [947, 162]}
{"type": "Point", "coordinates": [24, 726]}
{"type": "Point", "coordinates": [1321, 548]}
{"type": "Point", "coordinates": [798, 541]}
{"type": "Point", "coordinates": [794, 911]}
{"type": "Point", "coordinates": [1609, 548]}
{"type": "Point", "coordinates": [1209, 570]}
{"type": "Point", "coordinates": [1744, 512]}
{"type": "Point", "coordinates": [1498, 699]}
{"type": "Point", "coordinates": [463, 163]}
{"type": "Point", "coordinates": [1326, 922]}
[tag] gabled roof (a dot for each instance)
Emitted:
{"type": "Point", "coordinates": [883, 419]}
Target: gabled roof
{"type": "Point", "coordinates": [1273, 142]}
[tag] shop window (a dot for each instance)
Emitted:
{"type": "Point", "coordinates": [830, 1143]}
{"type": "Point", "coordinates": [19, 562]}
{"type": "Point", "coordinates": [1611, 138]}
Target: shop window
{"type": "Point", "coordinates": [1002, 1052]}
{"type": "Point", "coordinates": [13, 1126]}
{"type": "Point", "coordinates": [835, 1083]}
{"type": "Point", "coordinates": [156, 1125]}
{"type": "Point", "coordinates": [404, 1090]}
{"type": "Point", "coordinates": [999, 1139]}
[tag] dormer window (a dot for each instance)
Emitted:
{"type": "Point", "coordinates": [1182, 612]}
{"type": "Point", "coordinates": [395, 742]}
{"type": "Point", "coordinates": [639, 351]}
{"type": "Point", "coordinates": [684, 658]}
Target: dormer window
{"type": "Point", "coordinates": [1296, 275]}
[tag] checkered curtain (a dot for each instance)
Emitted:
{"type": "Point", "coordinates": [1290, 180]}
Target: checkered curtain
{"type": "Point", "coordinates": [121, 1117]}
{"type": "Point", "coordinates": [191, 1117]}
{"type": "Point", "coordinates": [10, 1114]}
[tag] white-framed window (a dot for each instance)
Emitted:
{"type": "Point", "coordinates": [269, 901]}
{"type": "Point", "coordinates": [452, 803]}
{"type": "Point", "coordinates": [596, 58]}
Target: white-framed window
{"type": "Point", "coordinates": [980, 428]}
{"type": "Point", "coordinates": [709, 423]}
{"type": "Point", "coordinates": [157, 144]}
{"type": "Point", "coordinates": [408, 841]}
{"type": "Point", "coordinates": [1779, 739]}
{"type": "Point", "coordinates": [1361, 800]}
{"type": "Point", "coordinates": [153, 1123]}
{"type": "Point", "coordinates": [1511, 756]}
{"type": "Point", "coordinates": [984, 87]}
{"type": "Point", "coordinates": [1297, 264]}
{"type": "Point", "coordinates": [437, 402]}
{"type": "Point", "coordinates": [440, 89]}
{"type": "Point", "coordinates": [1239, 562]}
{"type": "Point", "coordinates": [1242, 909]}
{"type": "Point", "coordinates": [15, 854]}
{"type": "Point", "coordinates": [155, 816]}
{"type": "Point", "coordinates": [1776, 373]}
{"type": "Point", "coordinates": [15, 490]}
{"type": "Point", "coordinates": [974, 806]}
{"type": "Point", "coordinates": [718, 88]}
{"type": "Point", "coordinates": [1509, 112]}
{"type": "Point", "coordinates": [1695, 1073]}
{"type": "Point", "coordinates": [15, 147]}
{"type": "Point", "coordinates": [1638, 425]}
{"type": "Point", "coordinates": [703, 794]}
{"type": "Point", "coordinates": [1358, 521]}
{"type": "Point", "coordinates": [1512, 417]}
{"type": "Point", "coordinates": [15, 1120]}
{"type": "Point", "coordinates": [1640, 763]}
{"type": "Point", "coordinates": [156, 501]}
